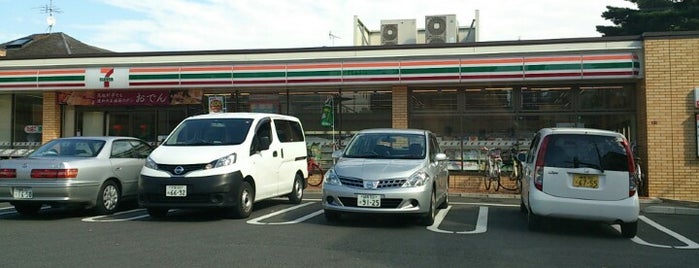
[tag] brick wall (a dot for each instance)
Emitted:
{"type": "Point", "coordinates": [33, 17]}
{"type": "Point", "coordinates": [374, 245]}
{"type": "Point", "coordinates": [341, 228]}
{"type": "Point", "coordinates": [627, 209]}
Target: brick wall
{"type": "Point", "coordinates": [51, 125]}
{"type": "Point", "coordinates": [400, 107]}
{"type": "Point", "coordinates": [671, 74]}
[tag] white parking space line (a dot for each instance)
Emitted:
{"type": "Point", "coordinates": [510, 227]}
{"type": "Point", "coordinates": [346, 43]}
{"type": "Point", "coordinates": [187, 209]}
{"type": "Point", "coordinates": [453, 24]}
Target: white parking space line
{"type": "Point", "coordinates": [689, 243]}
{"type": "Point", "coordinates": [101, 218]}
{"type": "Point", "coordinates": [481, 223]}
{"type": "Point", "coordinates": [257, 221]}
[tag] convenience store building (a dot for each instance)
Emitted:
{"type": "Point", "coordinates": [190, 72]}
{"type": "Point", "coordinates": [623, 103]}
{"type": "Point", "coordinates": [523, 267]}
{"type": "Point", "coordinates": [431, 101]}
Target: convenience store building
{"type": "Point", "coordinates": [473, 95]}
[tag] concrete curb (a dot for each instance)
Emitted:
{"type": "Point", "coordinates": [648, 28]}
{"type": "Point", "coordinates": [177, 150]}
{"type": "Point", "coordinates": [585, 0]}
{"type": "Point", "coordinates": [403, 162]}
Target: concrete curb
{"type": "Point", "coordinates": [671, 210]}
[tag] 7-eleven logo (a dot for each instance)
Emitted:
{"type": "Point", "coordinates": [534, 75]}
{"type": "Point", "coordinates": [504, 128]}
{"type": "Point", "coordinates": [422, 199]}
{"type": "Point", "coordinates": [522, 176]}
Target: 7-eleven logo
{"type": "Point", "coordinates": [106, 76]}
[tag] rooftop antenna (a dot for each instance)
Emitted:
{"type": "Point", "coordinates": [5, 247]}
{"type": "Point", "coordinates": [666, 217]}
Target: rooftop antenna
{"type": "Point", "coordinates": [333, 37]}
{"type": "Point", "coordinates": [50, 9]}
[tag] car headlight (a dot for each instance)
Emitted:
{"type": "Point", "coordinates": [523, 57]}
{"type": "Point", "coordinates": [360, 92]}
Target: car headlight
{"type": "Point", "coordinates": [417, 179]}
{"type": "Point", "coordinates": [223, 161]}
{"type": "Point", "coordinates": [330, 177]}
{"type": "Point", "coordinates": [150, 163]}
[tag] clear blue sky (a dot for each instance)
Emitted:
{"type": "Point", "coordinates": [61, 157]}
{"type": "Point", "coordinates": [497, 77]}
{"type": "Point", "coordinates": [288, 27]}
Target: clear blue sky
{"type": "Point", "coordinates": [173, 25]}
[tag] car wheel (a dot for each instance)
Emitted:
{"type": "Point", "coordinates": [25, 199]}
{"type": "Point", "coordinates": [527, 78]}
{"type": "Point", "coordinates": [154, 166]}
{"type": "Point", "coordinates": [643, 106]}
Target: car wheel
{"type": "Point", "coordinates": [533, 221]}
{"type": "Point", "coordinates": [157, 212]}
{"type": "Point", "coordinates": [444, 204]}
{"type": "Point", "coordinates": [27, 209]}
{"type": "Point", "coordinates": [428, 218]}
{"type": "Point", "coordinates": [108, 198]}
{"type": "Point", "coordinates": [245, 198]}
{"type": "Point", "coordinates": [296, 194]}
{"type": "Point", "coordinates": [331, 216]}
{"type": "Point", "coordinates": [629, 229]}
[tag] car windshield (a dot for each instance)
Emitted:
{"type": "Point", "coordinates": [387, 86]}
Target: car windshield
{"type": "Point", "coordinates": [69, 148]}
{"type": "Point", "coordinates": [204, 132]}
{"type": "Point", "coordinates": [387, 146]}
{"type": "Point", "coordinates": [593, 151]}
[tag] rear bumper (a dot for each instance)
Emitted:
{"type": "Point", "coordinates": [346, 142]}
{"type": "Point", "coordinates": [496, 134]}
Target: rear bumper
{"type": "Point", "coordinates": [625, 210]}
{"type": "Point", "coordinates": [55, 192]}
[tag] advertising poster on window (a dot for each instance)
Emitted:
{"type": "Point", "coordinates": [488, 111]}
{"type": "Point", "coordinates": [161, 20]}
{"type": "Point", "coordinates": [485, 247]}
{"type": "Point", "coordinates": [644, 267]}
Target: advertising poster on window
{"type": "Point", "coordinates": [216, 104]}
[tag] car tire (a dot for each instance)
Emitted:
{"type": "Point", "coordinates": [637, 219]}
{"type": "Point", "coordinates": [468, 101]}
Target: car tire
{"type": "Point", "coordinates": [428, 218]}
{"type": "Point", "coordinates": [157, 213]}
{"type": "Point", "coordinates": [522, 207]}
{"type": "Point", "coordinates": [444, 204]}
{"type": "Point", "coordinates": [629, 229]}
{"type": "Point", "coordinates": [108, 199]}
{"type": "Point", "coordinates": [245, 199]}
{"type": "Point", "coordinates": [533, 221]}
{"type": "Point", "coordinates": [296, 195]}
{"type": "Point", "coordinates": [331, 216]}
{"type": "Point", "coordinates": [27, 209]}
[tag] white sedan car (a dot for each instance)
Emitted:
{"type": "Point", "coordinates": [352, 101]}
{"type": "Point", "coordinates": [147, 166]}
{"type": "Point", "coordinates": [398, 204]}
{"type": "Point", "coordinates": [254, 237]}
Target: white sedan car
{"type": "Point", "coordinates": [92, 172]}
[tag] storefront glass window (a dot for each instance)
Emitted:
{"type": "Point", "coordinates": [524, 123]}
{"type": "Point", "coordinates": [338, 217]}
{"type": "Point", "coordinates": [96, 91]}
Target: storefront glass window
{"type": "Point", "coordinates": [28, 120]}
{"type": "Point", "coordinates": [5, 121]}
{"type": "Point", "coordinates": [434, 100]}
{"type": "Point", "coordinates": [488, 98]}
{"type": "Point", "coordinates": [605, 97]}
{"type": "Point", "coordinates": [546, 98]}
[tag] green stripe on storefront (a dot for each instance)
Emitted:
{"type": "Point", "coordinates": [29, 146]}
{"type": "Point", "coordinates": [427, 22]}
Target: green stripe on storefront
{"type": "Point", "coordinates": [153, 76]}
{"type": "Point", "coordinates": [315, 73]}
{"type": "Point", "coordinates": [553, 67]}
{"type": "Point", "coordinates": [443, 70]}
{"type": "Point", "coordinates": [370, 72]}
{"type": "Point", "coordinates": [208, 75]}
{"type": "Point", "coordinates": [61, 78]}
{"type": "Point", "coordinates": [260, 75]}
{"type": "Point", "coordinates": [608, 65]}
{"type": "Point", "coordinates": [492, 69]}
{"type": "Point", "coordinates": [18, 79]}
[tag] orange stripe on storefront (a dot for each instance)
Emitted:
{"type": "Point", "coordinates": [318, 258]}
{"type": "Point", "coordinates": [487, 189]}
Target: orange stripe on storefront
{"type": "Point", "coordinates": [314, 66]}
{"type": "Point", "coordinates": [493, 61]}
{"type": "Point", "coordinates": [369, 64]}
{"type": "Point", "coordinates": [154, 70]}
{"type": "Point", "coordinates": [429, 63]}
{"type": "Point", "coordinates": [33, 72]}
{"type": "Point", "coordinates": [259, 67]}
{"type": "Point", "coordinates": [70, 71]}
{"type": "Point", "coordinates": [609, 57]}
{"type": "Point", "coordinates": [551, 59]}
{"type": "Point", "coordinates": [207, 69]}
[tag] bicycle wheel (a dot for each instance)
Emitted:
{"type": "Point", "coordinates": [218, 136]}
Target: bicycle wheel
{"type": "Point", "coordinates": [497, 179]}
{"type": "Point", "coordinates": [315, 175]}
{"type": "Point", "coordinates": [486, 178]}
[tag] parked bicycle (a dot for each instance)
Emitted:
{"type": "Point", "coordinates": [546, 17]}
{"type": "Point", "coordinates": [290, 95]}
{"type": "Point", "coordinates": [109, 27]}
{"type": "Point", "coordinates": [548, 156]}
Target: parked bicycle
{"type": "Point", "coordinates": [315, 172]}
{"type": "Point", "coordinates": [492, 170]}
{"type": "Point", "coordinates": [512, 169]}
{"type": "Point", "coordinates": [639, 177]}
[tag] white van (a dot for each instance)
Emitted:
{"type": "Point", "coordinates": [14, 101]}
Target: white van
{"type": "Point", "coordinates": [225, 160]}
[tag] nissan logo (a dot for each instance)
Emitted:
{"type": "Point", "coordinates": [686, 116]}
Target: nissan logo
{"type": "Point", "coordinates": [178, 170]}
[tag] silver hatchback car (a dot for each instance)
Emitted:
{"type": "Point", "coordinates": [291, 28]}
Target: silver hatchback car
{"type": "Point", "coordinates": [388, 171]}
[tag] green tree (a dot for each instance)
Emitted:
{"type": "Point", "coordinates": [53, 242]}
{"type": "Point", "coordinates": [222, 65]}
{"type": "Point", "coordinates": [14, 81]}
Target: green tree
{"type": "Point", "coordinates": [652, 16]}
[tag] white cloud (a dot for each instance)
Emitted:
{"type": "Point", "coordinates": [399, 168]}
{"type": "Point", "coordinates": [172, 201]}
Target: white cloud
{"type": "Point", "coordinates": [246, 24]}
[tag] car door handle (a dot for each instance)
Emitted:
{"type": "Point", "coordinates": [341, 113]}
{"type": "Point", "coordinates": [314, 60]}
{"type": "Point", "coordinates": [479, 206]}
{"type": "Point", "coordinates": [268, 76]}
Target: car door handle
{"type": "Point", "coordinates": [274, 154]}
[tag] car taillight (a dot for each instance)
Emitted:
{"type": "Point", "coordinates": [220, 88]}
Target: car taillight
{"type": "Point", "coordinates": [539, 166]}
{"type": "Point", "coordinates": [68, 173]}
{"type": "Point", "coordinates": [631, 167]}
{"type": "Point", "coordinates": [8, 173]}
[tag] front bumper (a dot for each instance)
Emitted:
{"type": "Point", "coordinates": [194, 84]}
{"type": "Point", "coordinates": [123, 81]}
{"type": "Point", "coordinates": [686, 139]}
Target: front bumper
{"type": "Point", "coordinates": [202, 192]}
{"type": "Point", "coordinates": [414, 200]}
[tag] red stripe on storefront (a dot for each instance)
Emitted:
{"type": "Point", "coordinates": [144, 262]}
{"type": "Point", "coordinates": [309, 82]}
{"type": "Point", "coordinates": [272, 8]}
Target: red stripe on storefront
{"type": "Point", "coordinates": [154, 83]}
{"type": "Point", "coordinates": [608, 73]}
{"type": "Point", "coordinates": [190, 83]}
{"type": "Point", "coordinates": [427, 78]}
{"type": "Point", "coordinates": [18, 86]}
{"type": "Point", "coordinates": [493, 76]}
{"type": "Point", "coordinates": [258, 82]}
{"type": "Point", "coordinates": [371, 79]}
{"type": "Point", "coordinates": [529, 75]}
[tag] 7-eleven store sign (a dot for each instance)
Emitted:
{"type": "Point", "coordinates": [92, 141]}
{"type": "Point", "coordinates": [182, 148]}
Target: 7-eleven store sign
{"type": "Point", "coordinates": [107, 78]}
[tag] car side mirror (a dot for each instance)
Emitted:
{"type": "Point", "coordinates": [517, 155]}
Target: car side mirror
{"type": "Point", "coordinates": [440, 157]}
{"type": "Point", "coordinates": [337, 154]}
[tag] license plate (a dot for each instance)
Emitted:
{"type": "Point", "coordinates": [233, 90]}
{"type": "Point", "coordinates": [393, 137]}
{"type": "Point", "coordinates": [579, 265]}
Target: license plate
{"type": "Point", "coordinates": [22, 193]}
{"type": "Point", "coordinates": [586, 181]}
{"type": "Point", "coordinates": [369, 200]}
{"type": "Point", "coordinates": [175, 190]}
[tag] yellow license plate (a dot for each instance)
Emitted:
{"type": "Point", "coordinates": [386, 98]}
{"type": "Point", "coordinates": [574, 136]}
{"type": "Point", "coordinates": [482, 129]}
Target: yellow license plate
{"type": "Point", "coordinates": [586, 181]}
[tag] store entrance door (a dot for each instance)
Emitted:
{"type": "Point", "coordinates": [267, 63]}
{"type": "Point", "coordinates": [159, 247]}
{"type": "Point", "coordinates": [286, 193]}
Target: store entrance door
{"type": "Point", "coordinates": [139, 124]}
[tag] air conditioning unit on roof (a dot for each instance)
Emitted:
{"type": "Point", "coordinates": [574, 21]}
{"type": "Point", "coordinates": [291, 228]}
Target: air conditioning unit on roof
{"type": "Point", "coordinates": [398, 32]}
{"type": "Point", "coordinates": [441, 29]}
